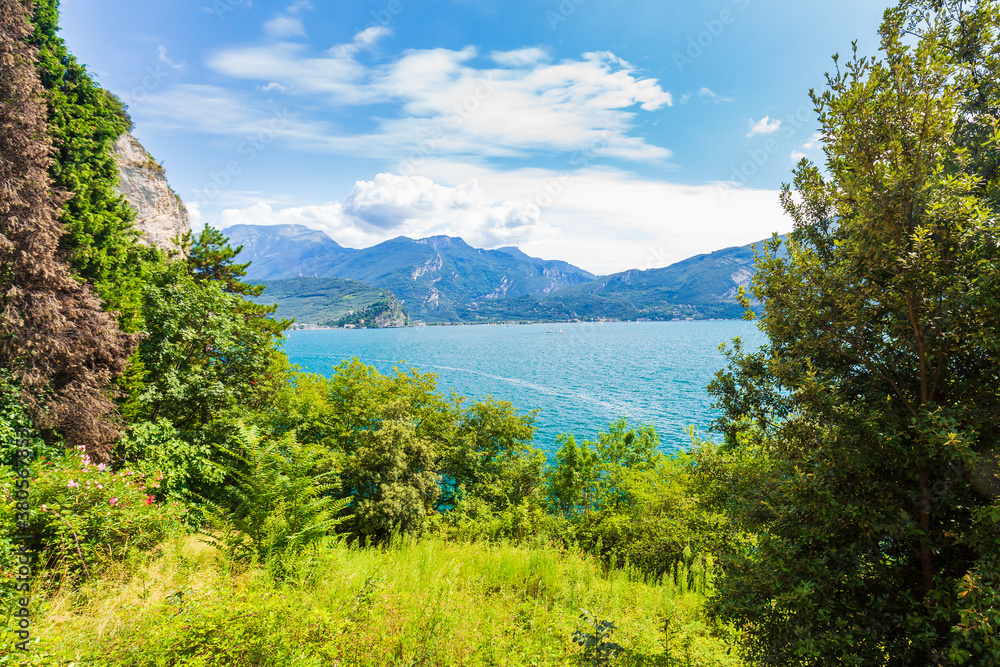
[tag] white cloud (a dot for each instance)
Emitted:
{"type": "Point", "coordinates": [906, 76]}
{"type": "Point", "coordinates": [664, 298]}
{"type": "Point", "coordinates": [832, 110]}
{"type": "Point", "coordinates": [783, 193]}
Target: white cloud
{"type": "Point", "coordinates": [366, 39]}
{"type": "Point", "coordinates": [166, 60]}
{"type": "Point", "coordinates": [600, 219]}
{"type": "Point", "coordinates": [274, 86]}
{"type": "Point", "coordinates": [709, 95]}
{"type": "Point", "coordinates": [520, 57]}
{"type": "Point", "coordinates": [392, 205]}
{"type": "Point", "coordinates": [524, 103]}
{"type": "Point", "coordinates": [215, 110]}
{"type": "Point", "coordinates": [609, 220]}
{"type": "Point", "coordinates": [764, 126]}
{"type": "Point", "coordinates": [281, 27]}
{"type": "Point", "coordinates": [811, 145]}
{"type": "Point", "coordinates": [815, 142]}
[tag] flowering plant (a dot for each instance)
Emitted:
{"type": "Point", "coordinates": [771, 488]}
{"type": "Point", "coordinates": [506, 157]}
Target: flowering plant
{"type": "Point", "coordinates": [85, 514]}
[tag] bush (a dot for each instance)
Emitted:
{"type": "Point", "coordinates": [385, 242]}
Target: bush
{"type": "Point", "coordinates": [187, 467]}
{"type": "Point", "coordinates": [627, 503]}
{"type": "Point", "coordinates": [84, 516]}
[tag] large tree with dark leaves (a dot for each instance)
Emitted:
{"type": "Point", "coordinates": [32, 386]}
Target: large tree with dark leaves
{"type": "Point", "coordinates": [55, 340]}
{"type": "Point", "coordinates": [868, 427]}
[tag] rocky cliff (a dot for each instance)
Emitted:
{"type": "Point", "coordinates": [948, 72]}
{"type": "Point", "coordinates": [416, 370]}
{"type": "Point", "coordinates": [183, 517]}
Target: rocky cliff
{"type": "Point", "coordinates": [160, 213]}
{"type": "Point", "coordinates": [386, 313]}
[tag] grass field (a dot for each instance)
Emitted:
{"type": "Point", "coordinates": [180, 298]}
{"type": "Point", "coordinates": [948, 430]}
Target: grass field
{"type": "Point", "coordinates": [424, 602]}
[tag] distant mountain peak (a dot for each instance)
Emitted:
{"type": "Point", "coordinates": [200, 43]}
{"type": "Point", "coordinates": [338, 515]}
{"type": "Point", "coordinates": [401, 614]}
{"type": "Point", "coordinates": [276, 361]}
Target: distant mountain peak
{"type": "Point", "coordinates": [432, 276]}
{"type": "Point", "coordinates": [443, 242]}
{"type": "Point", "coordinates": [291, 231]}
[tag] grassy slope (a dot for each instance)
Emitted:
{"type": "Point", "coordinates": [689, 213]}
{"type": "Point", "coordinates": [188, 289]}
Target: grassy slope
{"type": "Point", "coordinates": [423, 603]}
{"type": "Point", "coordinates": [318, 300]}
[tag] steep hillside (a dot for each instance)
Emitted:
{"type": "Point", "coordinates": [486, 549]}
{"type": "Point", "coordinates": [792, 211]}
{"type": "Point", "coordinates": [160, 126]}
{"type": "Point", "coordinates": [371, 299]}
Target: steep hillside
{"type": "Point", "coordinates": [704, 279]}
{"type": "Point", "coordinates": [435, 277]}
{"type": "Point", "coordinates": [330, 302]}
{"type": "Point", "coordinates": [383, 314]}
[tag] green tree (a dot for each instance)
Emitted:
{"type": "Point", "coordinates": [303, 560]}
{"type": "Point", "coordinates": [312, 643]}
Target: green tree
{"type": "Point", "coordinates": [391, 431]}
{"type": "Point", "coordinates": [574, 482]}
{"type": "Point", "coordinates": [199, 358]}
{"type": "Point", "coordinates": [392, 476]}
{"type": "Point", "coordinates": [358, 397]}
{"type": "Point", "coordinates": [590, 475]}
{"type": "Point", "coordinates": [210, 258]}
{"type": "Point", "coordinates": [874, 405]}
{"type": "Point", "coordinates": [492, 457]}
{"type": "Point", "coordinates": [84, 121]}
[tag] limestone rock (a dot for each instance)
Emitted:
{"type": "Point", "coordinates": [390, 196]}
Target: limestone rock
{"type": "Point", "coordinates": [160, 213]}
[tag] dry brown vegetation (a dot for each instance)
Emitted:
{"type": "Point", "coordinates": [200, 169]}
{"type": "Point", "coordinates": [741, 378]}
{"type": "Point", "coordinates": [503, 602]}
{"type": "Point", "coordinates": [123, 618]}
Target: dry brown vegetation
{"type": "Point", "coordinates": [55, 340]}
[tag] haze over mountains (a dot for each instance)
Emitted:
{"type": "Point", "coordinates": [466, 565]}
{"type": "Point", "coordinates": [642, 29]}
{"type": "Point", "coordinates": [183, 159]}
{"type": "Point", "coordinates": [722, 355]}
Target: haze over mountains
{"type": "Point", "coordinates": [443, 279]}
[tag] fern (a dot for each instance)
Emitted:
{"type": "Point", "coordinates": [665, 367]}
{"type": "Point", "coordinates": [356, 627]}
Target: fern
{"type": "Point", "coordinates": [281, 501]}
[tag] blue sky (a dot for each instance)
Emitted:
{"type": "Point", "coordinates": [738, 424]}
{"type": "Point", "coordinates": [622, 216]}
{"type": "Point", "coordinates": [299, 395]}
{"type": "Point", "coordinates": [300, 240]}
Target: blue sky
{"type": "Point", "coordinates": [614, 135]}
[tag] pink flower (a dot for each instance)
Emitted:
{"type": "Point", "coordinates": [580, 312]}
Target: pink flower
{"type": "Point", "coordinates": [44, 508]}
{"type": "Point", "coordinates": [72, 484]}
{"type": "Point", "coordinates": [113, 501]}
{"type": "Point", "coordinates": [99, 486]}
{"type": "Point", "coordinates": [150, 500]}
{"type": "Point", "coordinates": [100, 467]}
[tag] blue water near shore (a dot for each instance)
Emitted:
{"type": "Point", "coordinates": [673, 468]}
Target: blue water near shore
{"type": "Point", "coordinates": [581, 376]}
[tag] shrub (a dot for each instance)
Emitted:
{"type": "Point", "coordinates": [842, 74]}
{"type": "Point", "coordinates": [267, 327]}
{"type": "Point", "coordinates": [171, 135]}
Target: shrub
{"type": "Point", "coordinates": [187, 467]}
{"type": "Point", "coordinates": [85, 515]}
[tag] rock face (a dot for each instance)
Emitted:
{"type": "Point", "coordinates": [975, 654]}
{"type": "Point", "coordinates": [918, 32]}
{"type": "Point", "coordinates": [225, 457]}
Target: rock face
{"type": "Point", "coordinates": [160, 213]}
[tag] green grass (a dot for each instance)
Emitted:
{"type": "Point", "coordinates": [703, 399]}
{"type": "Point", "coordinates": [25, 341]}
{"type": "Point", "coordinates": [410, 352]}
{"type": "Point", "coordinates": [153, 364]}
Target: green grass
{"type": "Point", "coordinates": [417, 603]}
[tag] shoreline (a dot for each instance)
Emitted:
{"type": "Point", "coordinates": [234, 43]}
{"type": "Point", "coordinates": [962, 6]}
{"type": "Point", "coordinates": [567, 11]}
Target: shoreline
{"type": "Point", "coordinates": [427, 325]}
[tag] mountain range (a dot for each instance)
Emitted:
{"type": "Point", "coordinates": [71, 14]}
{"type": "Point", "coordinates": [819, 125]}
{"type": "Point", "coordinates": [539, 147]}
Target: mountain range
{"type": "Point", "coordinates": [443, 279]}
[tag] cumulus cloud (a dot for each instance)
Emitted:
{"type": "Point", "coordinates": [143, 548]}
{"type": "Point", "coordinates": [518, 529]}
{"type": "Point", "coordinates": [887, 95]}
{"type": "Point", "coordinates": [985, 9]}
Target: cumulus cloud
{"type": "Point", "coordinates": [603, 220]}
{"type": "Point", "coordinates": [764, 126]}
{"type": "Point", "coordinates": [520, 57]}
{"type": "Point", "coordinates": [709, 95]}
{"type": "Point", "coordinates": [390, 205]}
{"type": "Point", "coordinates": [811, 145]}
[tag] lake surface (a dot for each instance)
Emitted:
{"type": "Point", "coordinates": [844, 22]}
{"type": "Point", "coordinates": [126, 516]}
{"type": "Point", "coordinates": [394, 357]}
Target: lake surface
{"type": "Point", "coordinates": [581, 376]}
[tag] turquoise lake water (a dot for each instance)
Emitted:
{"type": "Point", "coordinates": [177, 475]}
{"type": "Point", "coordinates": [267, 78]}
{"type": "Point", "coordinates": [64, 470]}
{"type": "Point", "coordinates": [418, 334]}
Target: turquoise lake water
{"type": "Point", "coordinates": [581, 376]}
